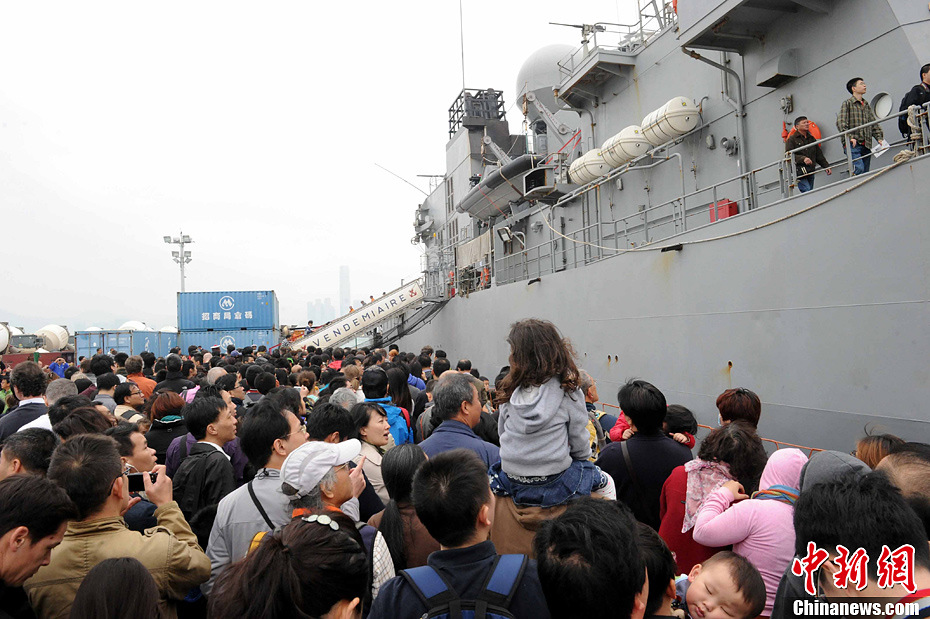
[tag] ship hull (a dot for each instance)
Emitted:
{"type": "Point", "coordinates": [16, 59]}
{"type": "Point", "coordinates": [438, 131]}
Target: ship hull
{"type": "Point", "coordinates": [822, 311]}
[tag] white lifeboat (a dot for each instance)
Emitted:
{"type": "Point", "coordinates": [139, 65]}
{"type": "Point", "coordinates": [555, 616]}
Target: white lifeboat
{"type": "Point", "coordinates": [588, 167]}
{"type": "Point", "coordinates": [672, 120]}
{"type": "Point", "coordinates": [627, 145]}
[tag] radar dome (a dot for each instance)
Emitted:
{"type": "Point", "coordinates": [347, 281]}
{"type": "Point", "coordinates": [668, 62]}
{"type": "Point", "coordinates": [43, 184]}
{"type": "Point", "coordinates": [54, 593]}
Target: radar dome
{"type": "Point", "coordinates": [133, 325]}
{"type": "Point", "coordinates": [540, 74]}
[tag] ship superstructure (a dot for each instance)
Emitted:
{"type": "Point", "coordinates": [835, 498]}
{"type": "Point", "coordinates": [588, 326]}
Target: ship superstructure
{"type": "Point", "coordinates": [649, 210]}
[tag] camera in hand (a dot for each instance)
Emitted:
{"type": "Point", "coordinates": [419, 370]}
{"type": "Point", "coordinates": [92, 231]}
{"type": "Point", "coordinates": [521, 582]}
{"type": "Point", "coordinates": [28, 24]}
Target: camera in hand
{"type": "Point", "coordinates": [135, 481]}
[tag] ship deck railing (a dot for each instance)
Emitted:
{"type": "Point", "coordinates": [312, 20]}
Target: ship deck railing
{"type": "Point", "coordinates": [597, 240]}
{"type": "Point", "coordinates": [777, 444]}
{"type": "Point", "coordinates": [626, 38]}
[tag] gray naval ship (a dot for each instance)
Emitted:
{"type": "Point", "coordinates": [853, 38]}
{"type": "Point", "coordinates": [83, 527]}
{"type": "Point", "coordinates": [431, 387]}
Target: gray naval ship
{"type": "Point", "coordinates": [648, 209]}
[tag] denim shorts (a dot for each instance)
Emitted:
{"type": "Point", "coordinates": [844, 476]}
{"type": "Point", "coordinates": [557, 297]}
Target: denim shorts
{"type": "Point", "coordinates": [580, 479]}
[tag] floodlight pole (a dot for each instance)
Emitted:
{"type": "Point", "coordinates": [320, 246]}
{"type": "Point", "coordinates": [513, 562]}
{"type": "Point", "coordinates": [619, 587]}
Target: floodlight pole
{"type": "Point", "coordinates": [181, 256]}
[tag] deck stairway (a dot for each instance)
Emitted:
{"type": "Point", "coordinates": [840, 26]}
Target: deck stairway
{"type": "Point", "coordinates": [358, 322]}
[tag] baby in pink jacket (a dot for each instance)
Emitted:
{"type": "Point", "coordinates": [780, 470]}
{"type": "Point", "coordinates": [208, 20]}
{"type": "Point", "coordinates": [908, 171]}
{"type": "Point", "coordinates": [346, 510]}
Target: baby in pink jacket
{"type": "Point", "coordinates": [760, 528]}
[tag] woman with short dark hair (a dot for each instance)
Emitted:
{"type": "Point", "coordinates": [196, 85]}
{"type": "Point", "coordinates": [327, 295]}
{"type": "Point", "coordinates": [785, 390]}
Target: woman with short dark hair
{"type": "Point", "coordinates": [739, 403]}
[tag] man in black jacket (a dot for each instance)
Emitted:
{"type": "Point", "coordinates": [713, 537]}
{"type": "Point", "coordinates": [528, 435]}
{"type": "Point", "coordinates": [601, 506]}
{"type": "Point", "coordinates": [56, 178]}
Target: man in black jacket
{"type": "Point", "coordinates": [651, 454]}
{"type": "Point", "coordinates": [918, 95]}
{"type": "Point", "coordinates": [175, 379]}
{"type": "Point", "coordinates": [206, 475]}
{"type": "Point", "coordinates": [28, 382]}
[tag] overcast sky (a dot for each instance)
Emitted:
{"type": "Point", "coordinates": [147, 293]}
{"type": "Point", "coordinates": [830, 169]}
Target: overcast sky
{"type": "Point", "coordinates": [255, 127]}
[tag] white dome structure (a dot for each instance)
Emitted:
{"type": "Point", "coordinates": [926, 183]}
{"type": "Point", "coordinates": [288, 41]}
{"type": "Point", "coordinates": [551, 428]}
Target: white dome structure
{"type": "Point", "coordinates": [55, 336]}
{"type": "Point", "coordinates": [133, 325]}
{"type": "Point", "coordinates": [5, 336]}
{"type": "Point", "coordinates": [94, 329]}
{"type": "Point", "coordinates": [540, 74]}
{"type": "Point", "coordinates": [169, 329]}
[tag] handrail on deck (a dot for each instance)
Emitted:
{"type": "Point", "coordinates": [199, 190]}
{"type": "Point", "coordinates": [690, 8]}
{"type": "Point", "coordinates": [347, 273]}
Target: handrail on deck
{"type": "Point", "coordinates": [778, 444]}
{"type": "Point", "coordinates": [638, 228]}
{"type": "Point", "coordinates": [924, 136]}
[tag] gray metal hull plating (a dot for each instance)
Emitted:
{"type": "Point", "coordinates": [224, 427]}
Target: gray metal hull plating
{"type": "Point", "coordinates": [824, 314]}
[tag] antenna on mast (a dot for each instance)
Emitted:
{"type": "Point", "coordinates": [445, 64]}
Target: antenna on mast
{"type": "Point", "coordinates": [586, 30]}
{"type": "Point", "coordinates": [462, 43]}
{"type": "Point", "coordinates": [401, 178]}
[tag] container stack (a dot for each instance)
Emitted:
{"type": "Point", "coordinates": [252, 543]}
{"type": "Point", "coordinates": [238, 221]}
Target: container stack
{"type": "Point", "coordinates": [237, 318]}
{"type": "Point", "coordinates": [129, 341]}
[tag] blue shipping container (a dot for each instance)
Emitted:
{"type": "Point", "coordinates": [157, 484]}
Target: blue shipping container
{"type": "Point", "coordinates": [200, 311]}
{"type": "Point", "coordinates": [243, 337]}
{"type": "Point", "coordinates": [129, 342]}
{"type": "Point", "coordinates": [166, 341]}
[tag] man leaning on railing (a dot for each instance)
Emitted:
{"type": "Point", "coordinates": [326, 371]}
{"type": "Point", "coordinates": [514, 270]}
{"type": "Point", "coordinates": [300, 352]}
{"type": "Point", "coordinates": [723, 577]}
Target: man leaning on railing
{"type": "Point", "coordinates": [806, 159]}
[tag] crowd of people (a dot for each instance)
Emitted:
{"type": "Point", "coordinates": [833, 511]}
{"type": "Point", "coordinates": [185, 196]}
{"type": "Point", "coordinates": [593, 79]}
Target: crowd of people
{"type": "Point", "coordinates": [346, 483]}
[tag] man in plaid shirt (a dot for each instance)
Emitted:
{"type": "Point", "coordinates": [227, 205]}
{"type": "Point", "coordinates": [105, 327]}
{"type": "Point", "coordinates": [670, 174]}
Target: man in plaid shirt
{"type": "Point", "coordinates": [855, 112]}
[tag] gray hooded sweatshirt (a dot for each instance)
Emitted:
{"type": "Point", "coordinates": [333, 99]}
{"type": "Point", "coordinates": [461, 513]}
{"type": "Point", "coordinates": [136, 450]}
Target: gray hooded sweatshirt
{"type": "Point", "coordinates": [542, 430]}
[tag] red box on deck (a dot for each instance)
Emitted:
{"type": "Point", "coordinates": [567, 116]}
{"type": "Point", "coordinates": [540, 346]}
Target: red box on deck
{"type": "Point", "coordinates": [723, 209]}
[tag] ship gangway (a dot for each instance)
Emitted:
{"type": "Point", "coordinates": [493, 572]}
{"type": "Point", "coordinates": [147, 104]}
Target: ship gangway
{"type": "Point", "coordinates": [362, 320]}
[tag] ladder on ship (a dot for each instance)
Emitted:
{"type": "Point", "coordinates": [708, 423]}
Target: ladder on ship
{"type": "Point", "coordinates": [359, 321]}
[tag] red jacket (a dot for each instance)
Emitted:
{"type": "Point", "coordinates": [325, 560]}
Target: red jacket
{"type": "Point", "coordinates": [616, 432]}
{"type": "Point", "coordinates": [686, 551]}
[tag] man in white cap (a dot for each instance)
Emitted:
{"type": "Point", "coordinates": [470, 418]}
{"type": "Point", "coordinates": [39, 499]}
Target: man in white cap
{"type": "Point", "coordinates": [316, 475]}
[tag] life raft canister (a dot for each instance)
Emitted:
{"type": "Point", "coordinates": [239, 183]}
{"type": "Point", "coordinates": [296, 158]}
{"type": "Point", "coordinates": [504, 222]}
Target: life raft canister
{"type": "Point", "coordinates": [813, 129]}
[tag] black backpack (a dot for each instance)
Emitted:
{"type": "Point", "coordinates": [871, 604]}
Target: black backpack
{"type": "Point", "coordinates": [493, 602]}
{"type": "Point", "coordinates": [903, 127]}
